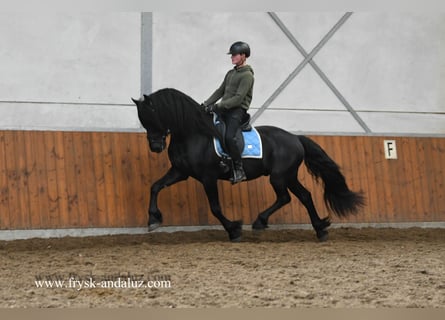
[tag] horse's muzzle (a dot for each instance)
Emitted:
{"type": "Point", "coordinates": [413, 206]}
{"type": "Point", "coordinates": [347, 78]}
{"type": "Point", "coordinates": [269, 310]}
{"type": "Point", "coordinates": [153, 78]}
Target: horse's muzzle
{"type": "Point", "coordinates": [157, 146]}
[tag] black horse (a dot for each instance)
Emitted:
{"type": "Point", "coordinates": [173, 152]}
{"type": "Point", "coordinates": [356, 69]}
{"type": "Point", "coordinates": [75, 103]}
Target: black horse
{"type": "Point", "coordinates": [191, 153]}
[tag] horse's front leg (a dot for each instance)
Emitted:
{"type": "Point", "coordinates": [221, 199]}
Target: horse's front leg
{"type": "Point", "coordinates": [233, 228]}
{"type": "Point", "coordinates": [154, 214]}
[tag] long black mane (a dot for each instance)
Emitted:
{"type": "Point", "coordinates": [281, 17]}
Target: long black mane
{"type": "Point", "coordinates": [180, 113]}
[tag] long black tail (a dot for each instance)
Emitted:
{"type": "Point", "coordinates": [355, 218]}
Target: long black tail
{"type": "Point", "coordinates": [337, 195]}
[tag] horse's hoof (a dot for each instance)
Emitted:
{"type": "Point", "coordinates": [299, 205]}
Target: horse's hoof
{"type": "Point", "coordinates": [258, 225]}
{"type": "Point", "coordinates": [153, 226]}
{"type": "Point", "coordinates": [323, 236]}
{"type": "Point", "coordinates": [235, 231]}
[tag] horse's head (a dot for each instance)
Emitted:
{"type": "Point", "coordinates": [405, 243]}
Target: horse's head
{"type": "Point", "coordinates": [149, 118]}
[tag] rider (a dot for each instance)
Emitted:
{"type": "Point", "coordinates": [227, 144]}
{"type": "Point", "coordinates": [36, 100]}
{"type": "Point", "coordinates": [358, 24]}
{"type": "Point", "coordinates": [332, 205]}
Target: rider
{"type": "Point", "coordinates": [236, 94]}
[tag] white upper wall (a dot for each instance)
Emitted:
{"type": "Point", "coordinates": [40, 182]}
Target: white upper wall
{"type": "Point", "coordinates": [86, 58]}
{"type": "Point", "coordinates": [388, 62]}
{"type": "Point", "coordinates": [78, 71]}
{"type": "Point", "coordinates": [65, 64]}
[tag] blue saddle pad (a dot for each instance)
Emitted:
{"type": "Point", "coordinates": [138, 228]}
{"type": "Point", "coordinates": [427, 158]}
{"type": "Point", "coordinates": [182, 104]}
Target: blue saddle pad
{"type": "Point", "coordinates": [253, 147]}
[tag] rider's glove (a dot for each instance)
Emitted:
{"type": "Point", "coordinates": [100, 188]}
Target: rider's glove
{"type": "Point", "coordinates": [211, 108]}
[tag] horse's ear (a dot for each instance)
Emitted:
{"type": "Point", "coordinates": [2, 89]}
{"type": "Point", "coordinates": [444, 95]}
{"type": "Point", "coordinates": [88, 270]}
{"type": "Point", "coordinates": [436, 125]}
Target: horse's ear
{"type": "Point", "coordinates": [145, 97]}
{"type": "Point", "coordinates": [136, 102]}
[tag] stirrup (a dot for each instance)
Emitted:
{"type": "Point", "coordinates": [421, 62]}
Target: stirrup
{"type": "Point", "coordinates": [238, 176]}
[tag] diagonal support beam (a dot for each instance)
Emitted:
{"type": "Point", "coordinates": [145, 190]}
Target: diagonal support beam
{"type": "Point", "coordinates": [308, 59]}
{"type": "Point", "coordinates": [319, 71]}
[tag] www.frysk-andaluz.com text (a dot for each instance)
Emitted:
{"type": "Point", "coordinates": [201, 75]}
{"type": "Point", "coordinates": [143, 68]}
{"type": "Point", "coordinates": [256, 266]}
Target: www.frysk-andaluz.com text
{"type": "Point", "coordinates": [91, 281]}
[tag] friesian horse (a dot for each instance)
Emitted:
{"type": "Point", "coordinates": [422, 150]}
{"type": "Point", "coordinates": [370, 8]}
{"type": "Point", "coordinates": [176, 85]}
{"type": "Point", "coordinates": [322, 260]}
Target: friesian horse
{"type": "Point", "coordinates": [191, 153]}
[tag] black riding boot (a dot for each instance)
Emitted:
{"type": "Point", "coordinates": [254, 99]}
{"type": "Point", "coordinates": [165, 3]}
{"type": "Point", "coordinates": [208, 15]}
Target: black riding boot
{"type": "Point", "coordinates": [238, 172]}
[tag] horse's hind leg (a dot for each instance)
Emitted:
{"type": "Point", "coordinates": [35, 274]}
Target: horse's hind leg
{"type": "Point", "coordinates": [283, 198]}
{"type": "Point", "coordinates": [305, 197]}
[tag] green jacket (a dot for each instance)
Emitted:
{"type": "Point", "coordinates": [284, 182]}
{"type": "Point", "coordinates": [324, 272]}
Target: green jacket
{"type": "Point", "coordinates": [236, 89]}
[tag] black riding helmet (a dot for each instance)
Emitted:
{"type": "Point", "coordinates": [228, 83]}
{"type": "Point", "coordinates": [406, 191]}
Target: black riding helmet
{"type": "Point", "coordinates": [240, 47]}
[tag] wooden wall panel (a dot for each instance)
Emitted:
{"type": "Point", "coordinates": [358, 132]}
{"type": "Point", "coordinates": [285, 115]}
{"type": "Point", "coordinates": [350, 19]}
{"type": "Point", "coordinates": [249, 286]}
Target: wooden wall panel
{"type": "Point", "coordinates": [4, 187]}
{"type": "Point", "coordinates": [102, 179]}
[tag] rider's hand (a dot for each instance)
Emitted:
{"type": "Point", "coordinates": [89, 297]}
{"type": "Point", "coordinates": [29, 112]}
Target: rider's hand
{"type": "Point", "coordinates": [211, 108]}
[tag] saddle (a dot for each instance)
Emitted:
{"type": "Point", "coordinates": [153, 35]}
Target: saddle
{"type": "Point", "coordinates": [249, 142]}
{"type": "Point", "coordinates": [221, 127]}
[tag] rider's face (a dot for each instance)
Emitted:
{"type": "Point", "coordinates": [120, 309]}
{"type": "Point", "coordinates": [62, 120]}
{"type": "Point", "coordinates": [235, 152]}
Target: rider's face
{"type": "Point", "coordinates": [238, 59]}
